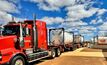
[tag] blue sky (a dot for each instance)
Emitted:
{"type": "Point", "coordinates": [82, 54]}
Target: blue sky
{"type": "Point", "coordinates": [85, 17]}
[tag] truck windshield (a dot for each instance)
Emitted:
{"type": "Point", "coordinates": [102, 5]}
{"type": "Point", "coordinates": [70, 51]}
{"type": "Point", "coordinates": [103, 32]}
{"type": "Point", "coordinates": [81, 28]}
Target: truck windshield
{"type": "Point", "coordinates": [11, 30]}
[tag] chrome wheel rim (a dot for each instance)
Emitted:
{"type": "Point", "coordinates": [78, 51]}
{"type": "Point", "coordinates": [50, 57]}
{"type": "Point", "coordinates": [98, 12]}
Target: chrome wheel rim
{"type": "Point", "coordinates": [59, 52]}
{"type": "Point", "coordinates": [19, 62]}
{"type": "Point", "coordinates": [53, 54]}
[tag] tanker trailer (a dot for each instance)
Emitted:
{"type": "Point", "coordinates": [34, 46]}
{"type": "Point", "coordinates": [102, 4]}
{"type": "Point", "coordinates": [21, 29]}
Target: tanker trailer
{"type": "Point", "coordinates": [78, 41]}
{"type": "Point", "coordinates": [60, 38]}
{"type": "Point", "coordinates": [68, 40]}
{"type": "Point", "coordinates": [102, 40]}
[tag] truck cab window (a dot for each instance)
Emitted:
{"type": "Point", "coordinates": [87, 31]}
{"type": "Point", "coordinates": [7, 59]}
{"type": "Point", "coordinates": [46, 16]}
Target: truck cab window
{"type": "Point", "coordinates": [24, 32]}
{"type": "Point", "coordinates": [11, 30]}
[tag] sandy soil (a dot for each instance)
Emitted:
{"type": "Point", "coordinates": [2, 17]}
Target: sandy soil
{"type": "Point", "coordinates": [75, 58]}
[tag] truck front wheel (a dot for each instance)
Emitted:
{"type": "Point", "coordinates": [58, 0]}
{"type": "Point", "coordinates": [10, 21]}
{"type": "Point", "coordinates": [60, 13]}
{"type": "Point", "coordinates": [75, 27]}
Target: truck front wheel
{"type": "Point", "coordinates": [18, 60]}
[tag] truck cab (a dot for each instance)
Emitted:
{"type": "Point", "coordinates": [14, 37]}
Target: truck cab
{"type": "Point", "coordinates": [23, 42]}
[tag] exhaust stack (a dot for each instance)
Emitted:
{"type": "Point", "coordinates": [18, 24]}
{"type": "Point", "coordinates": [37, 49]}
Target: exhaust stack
{"type": "Point", "coordinates": [35, 47]}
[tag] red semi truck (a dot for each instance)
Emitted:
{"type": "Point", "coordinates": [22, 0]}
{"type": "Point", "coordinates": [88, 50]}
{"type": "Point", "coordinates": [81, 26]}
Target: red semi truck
{"type": "Point", "coordinates": [25, 42]}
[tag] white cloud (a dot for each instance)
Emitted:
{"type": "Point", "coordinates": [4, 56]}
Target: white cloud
{"type": "Point", "coordinates": [5, 18]}
{"type": "Point", "coordinates": [90, 28]}
{"type": "Point", "coordinates": [6, 7]}
{"type": "Point", "coordinates": [103, 27]}
{"type": "Point", "coordinates": [85, 31]}
{"type": "Point", "coordinates": [101, 11]}
{"type": "Point", "coordinates": [71, 29]}
{"type": "Point", "coordinates": [89, 35]}
{"type": "Point", "coordinates": [102, 33]}
{"type": "Point", "coordinates": [95, 21]}
{"type": "Point", "coordinates": [78, 12]}
{"type": "Point", "coordinates": [99, 18]}
{"type": "Point", "coordinates": [100, 21]}
{"type": "Point", "coordinates": [17, 19]}
{"type": "Point", "coordinates": [75, 10]}
{"type": "Point", "coordinates": [52, 5]}
{"type": "Point", "coordinates": [53, 20]}
{"type": "Point", "coordinates": [73, 24]}
{"type": "Point", "coordinates": [14, 1]}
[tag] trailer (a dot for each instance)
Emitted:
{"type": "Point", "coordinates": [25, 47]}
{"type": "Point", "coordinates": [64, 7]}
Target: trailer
{"type": "Point", "coordinates": [102, 40]}
{"type": "Point", "coordinates": [78, 40]}
{"type": "Point", "coordinates": [25, 42]}
{"type": "Point", "coordinates": [61, 38]}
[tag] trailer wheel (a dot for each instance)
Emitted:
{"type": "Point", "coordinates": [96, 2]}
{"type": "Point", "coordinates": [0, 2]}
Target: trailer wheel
{"type": "Point", "coordinates": [71, 49]}
{"type": "Point", "coordinates": [74, 47]}
{"type": "Point", "coordinates": [53, 53]}
{"type": "Point", "coordinates": [18, 60]}
{"type": "Point", "coordinates": [58, 52]}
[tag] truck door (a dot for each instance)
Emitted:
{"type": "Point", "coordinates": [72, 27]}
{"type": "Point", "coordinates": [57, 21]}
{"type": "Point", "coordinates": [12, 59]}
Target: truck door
{"type": "Point", "coordinates": [27, 37]}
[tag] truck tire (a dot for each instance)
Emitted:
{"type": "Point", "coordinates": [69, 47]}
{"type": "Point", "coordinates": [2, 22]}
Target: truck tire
{"type": "Point", "coordinates": [18, 60]}
{"type": "Point", "coordinates": [74, 47]}
{"type": "Point", "coordinates": [58, 52]}
{"type": "Point", "coordinates": [65, 49]}
{"type": "Point", "coordinates": [71, 49]}
{"type": "Point", "coordinates": [53, 53]}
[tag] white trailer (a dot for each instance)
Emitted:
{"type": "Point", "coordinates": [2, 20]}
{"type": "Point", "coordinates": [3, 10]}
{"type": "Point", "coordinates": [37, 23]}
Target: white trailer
{"type": "Point", "coordinates": [102, 40]}
{"type": "Point", "coordinates": [78, 40]}
{"type": "Point", "coordinates": [60, 37]}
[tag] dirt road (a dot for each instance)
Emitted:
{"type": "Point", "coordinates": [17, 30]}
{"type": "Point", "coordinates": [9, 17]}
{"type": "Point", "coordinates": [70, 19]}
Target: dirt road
{"type": "Point", "coordinates": [82, 56]}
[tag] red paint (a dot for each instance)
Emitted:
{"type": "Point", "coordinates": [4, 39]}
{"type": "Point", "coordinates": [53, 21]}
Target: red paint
{"type": "Point", "coordinates": [8, 43]}
{"type": "Point", "coordinates": [42, 38]}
